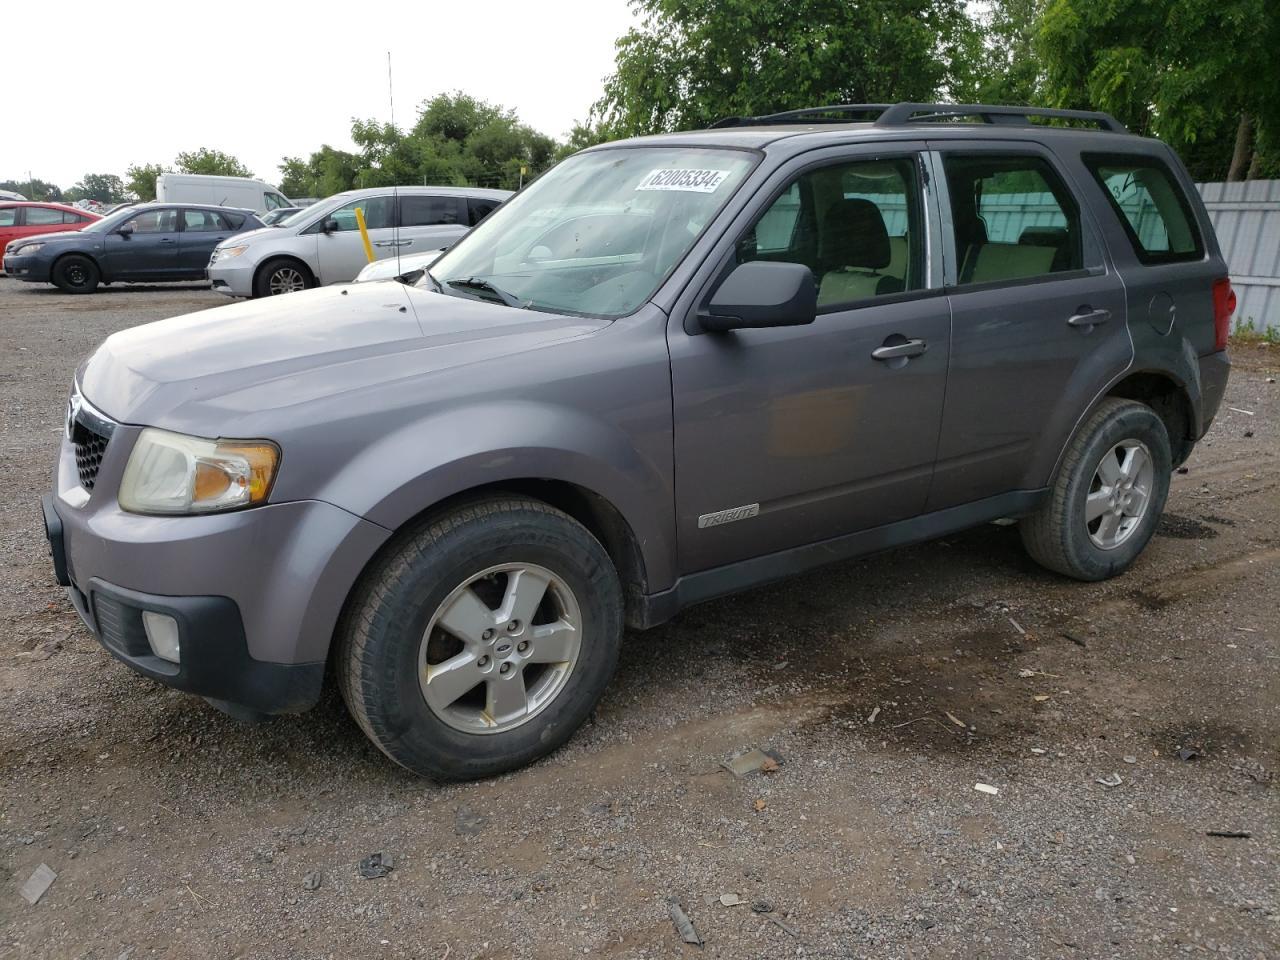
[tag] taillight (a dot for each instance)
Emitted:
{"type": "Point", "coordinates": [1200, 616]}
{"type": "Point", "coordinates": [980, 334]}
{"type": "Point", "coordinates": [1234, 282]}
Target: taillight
{"type": "Point", "coordinates": [1224, 305]}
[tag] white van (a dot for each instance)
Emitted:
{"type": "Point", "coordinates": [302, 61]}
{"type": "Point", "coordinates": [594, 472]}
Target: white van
{"type": "Point", "coordinates": [243, 192]}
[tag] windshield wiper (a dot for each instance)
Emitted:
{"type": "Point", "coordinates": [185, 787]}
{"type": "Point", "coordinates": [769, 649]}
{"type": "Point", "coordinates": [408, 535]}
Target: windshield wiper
{"type": "Point", "coordinates": [479, 283]}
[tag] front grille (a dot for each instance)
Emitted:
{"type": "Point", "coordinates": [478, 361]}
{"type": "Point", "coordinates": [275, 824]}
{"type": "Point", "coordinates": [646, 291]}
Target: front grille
{"type": "Point", "coordinates": [90, 446]}
{"type": "Point", "coordinates": [89, 432]}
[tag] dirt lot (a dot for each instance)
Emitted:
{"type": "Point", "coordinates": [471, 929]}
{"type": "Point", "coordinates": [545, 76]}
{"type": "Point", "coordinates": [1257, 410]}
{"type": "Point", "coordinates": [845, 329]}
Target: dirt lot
{"type": "Point", "coordinates": [178, 832]}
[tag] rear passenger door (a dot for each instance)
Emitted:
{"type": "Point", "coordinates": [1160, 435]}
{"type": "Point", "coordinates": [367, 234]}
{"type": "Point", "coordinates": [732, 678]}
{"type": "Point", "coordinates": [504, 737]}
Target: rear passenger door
{"type": "Point", "coordinates": [428, 223]}
{"type": "Point", "coordinates": [202, 230]}
{"type": "Point", "coordinates": [1038, 318]}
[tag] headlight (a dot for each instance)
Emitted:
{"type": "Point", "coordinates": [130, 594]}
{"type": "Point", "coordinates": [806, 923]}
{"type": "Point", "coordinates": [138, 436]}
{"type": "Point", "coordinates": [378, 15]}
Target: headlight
{"type": "Point", "coordinates": [226, 253]}
{"type": "Point", "coordinates": [25, 250]}
{"type": "Point", "coordinates": [170, 473]}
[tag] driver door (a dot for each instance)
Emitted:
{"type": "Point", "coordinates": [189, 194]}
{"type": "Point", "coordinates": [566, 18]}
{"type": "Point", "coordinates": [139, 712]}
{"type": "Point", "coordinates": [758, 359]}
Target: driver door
{"type": "Point", "coordinates": [791, 435]}
{"type": "Point", "coordinates": [340, 253]}
{"type": "Point", "coordinates": [148, 247]}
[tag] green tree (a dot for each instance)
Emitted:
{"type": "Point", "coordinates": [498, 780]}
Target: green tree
{"type": "Point", "coordinates": [212, 162]}
{"type": "Point", "coordinates": [103, 187]}
{"type": "Point", "coordinates": [692, 62]}
{"type": "Point", "coordinates": [141, 179]}
{"type": "Point", "coordinates": [1199, 74]}
{"type": "Point", "coordinates": [35, 189]}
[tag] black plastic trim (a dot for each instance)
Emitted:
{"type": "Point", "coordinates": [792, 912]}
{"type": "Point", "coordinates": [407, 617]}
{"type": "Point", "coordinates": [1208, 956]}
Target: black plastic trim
{"type": "Point", "coordinates": [57, 544]}
{"type": "Point", "coordinates": [215, 660]}
{"type": "Point", "coordinates": [757, 571]}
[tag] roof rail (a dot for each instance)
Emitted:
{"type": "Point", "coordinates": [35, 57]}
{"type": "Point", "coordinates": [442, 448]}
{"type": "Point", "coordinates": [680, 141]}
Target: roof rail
{"type": "Point", "coordinates": [900, 114]}
{"type": "Point", "coordinates": [903, 113]}
{"type": "Point", "coordinates": [808, 115]}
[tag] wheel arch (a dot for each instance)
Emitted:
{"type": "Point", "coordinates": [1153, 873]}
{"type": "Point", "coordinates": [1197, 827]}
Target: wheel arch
{"type": "Point", "coordinates": [102, 274]}
{"type": "Point", "coordinates": [1169, 397]}
{"type": "Point", "coordinates": [261, 268]}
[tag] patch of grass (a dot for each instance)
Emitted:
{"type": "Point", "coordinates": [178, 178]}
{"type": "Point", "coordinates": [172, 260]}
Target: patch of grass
{"type": "Point", "coordinates": [1248, 332]}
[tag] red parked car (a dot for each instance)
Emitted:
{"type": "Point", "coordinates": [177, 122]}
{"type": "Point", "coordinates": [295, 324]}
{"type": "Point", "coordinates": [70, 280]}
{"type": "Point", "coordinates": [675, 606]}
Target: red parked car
{"type": "Point", "coordinates": [22, 219]}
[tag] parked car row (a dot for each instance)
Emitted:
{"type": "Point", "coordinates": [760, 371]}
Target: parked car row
{"type": "Point", "coordinates": [242, 253]}
{"type": "Point", "coordinates": [143, 242]}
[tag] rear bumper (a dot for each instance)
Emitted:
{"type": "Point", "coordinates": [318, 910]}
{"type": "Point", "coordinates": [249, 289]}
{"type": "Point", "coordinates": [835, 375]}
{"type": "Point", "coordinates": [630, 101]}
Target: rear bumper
{"type": "Point", "coordinates": [1215, 370]}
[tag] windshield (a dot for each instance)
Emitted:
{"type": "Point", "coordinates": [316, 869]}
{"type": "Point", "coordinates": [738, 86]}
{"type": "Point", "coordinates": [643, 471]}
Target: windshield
{"type": "Point", "coordinates": [598, 233]}
{"type": "Point", "coordinates": [111, 220]}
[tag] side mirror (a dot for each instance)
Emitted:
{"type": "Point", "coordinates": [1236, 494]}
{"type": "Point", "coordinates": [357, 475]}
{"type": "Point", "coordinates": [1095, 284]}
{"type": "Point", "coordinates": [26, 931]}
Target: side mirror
{"type": "Point", "coordinates": [330, 226]}
{"type": "Point", "coordinates": [126, 230]}
{"type": "Point", "coordinates": [761, 293]}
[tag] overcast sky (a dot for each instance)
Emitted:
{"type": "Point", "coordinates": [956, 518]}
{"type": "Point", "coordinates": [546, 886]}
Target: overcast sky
{"type": "Point", "coordinates": [140, 82]}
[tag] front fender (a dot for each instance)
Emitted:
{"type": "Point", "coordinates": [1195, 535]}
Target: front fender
{"type": "Point", "coordinates": [459, 449]}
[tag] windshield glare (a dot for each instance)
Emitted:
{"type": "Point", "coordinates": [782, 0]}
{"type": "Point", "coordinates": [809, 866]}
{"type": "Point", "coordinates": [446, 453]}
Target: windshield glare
{"type": "Point", "coordinates": [598, 233]}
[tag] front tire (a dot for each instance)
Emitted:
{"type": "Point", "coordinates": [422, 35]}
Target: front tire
{"type": "Point", "coordinates": [1108, 495]}
{"type": "Point", "coordinates": [282, 275]}
{"type": "Point", "coordinates": [76, 274]}
{"type": "Point", "coordinates": [482, 639]}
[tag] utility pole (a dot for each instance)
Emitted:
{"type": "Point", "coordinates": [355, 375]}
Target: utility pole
{"type": "Point", "coordinates": [32, 177]}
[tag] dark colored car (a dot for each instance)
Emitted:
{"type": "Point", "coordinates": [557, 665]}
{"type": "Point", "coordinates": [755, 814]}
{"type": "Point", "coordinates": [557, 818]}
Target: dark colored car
{"type": "Point", "coordinates": [142, 243]}
{"type": "Point", "coordinates": [20, 220]}
{"type": "Point", "coordinates": [670, 369]}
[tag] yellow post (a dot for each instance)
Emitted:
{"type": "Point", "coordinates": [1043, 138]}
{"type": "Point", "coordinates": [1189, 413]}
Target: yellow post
{"type": "Point", "coordinates": [364, 234]}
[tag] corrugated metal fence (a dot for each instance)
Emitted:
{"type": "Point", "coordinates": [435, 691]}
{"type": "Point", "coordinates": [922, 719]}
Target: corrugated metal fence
{"type": "Point", "coordinates": [1246, 218]}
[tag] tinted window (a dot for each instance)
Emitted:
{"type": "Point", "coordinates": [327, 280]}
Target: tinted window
{"type": "Point", "coordinates": [429, 211]}
{"type": "Point", "coordinates": [378, 214]}
{"type": "Point", "coordinates": [477, 209]}
{"type": "Point", "coordinates": [856, 225]}
{"type": "Point", "coordinates": [1013, 218]}
{"type": "Point", "coordinates": [44, 216]}
{"type": "Point", "coordinates": [8, 216]}
{"type": "Point", "coordinates": [1151, 206]}
{"type": "Point", "coordinates": [234, 220]}
{"type": "Point", "coordinates": [155, 221]}
{"type": "Point", "coordinates": [274, 201]}
{"type": "Point", "coordinates": [203, 221]}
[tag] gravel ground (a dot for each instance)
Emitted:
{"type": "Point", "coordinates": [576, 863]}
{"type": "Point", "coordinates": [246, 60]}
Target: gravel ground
{"type": "Point", "coordinates": [176, 831]}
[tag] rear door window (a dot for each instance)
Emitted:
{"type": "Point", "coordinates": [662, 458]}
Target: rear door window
{"type": "Point", "coordinates": [1013, 218]}
{"type": "Point", "coordinates": [43, 216]}
{"type": "Point", "coordinates": [1151, 206]}
{"type": "Point", "coordinates": [418, 211]}
{"type": "Point", "coordinates": [203, 221]}
{"type": "Point", "coordinates": [478, 209]}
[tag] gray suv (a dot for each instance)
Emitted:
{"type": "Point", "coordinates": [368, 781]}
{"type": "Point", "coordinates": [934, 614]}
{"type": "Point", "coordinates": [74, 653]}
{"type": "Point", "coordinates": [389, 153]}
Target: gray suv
{"type": "Point", "coordinates": [670, 369]}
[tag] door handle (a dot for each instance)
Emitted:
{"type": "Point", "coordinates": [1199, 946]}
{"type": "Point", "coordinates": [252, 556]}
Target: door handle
{"type": "Point", "coordinates": [393, 243]}
{"type": "Point", "coordinates": [895, 351]}
{"type": "Point", "coordinates": [167, 240]}
{"type": "Point", "coordinates": [1088, 318]}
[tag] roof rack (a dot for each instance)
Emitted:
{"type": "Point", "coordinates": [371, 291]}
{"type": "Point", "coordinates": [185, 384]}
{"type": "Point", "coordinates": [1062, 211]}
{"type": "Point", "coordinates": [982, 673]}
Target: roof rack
{"type": "Point", "coordinates": [900, 114]}
{"type": "Point", "coordinates": [809, 115]}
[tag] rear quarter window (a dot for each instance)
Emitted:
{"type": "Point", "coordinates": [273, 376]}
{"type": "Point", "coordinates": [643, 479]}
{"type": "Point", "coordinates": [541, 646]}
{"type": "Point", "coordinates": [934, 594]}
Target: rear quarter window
{"type": "Point", "coordinates": [1151, 205]}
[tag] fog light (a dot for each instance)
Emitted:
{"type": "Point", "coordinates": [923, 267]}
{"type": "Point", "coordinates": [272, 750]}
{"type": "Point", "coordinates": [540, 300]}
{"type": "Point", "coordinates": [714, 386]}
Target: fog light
{"type": "Point", "coordinates": [162, 634]}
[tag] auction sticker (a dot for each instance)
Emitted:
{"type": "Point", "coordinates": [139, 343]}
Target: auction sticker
{"type": "Point", "coordinates": [692, 181]}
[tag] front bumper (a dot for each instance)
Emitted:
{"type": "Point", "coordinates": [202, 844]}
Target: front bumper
{"type": "Point", "coordinates": [233, 277]}
{"type": "Point", "coordinates": [256, 593]}
{"type": "Point", "coordinates": [34, 269]}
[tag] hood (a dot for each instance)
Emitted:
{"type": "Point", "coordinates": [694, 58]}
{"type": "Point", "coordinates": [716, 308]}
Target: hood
{"type": "Point", "coordinates": [48, 237]}
{"type": "Point", "coordinates": [241, 362]}
{"type": "Point", "coordinates": [249, 235]}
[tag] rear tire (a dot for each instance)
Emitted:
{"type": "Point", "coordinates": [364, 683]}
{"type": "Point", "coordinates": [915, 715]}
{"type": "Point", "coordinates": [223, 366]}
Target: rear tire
{"type": "Point", "coordinates": [76, 274]}
{"type": "Point", "coordinates": [1106, 500]}
{"type": "Point", "coordinates": [482, 639]}
{"type": "Point", "coordinates": [282, 275]}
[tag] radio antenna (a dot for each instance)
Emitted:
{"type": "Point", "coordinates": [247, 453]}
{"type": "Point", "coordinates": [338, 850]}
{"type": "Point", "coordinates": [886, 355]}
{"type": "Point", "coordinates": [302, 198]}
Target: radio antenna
{"type": "Point", "coordinates": [395, 188]}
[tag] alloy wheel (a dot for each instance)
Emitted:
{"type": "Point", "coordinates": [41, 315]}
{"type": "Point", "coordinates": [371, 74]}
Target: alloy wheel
{"type": "Point", "coordinates": [500, 648]}
{"type": "Point", "coordinates": [1119, 494]}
